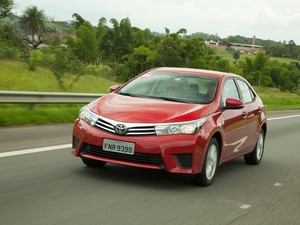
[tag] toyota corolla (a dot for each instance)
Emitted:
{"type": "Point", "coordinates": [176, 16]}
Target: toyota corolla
{"type": "Point", "coordinates": [180, 120]}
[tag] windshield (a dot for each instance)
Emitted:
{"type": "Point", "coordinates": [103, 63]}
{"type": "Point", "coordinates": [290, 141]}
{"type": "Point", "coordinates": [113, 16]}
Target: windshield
{"type": "Point", "coordinates": [173, 86]}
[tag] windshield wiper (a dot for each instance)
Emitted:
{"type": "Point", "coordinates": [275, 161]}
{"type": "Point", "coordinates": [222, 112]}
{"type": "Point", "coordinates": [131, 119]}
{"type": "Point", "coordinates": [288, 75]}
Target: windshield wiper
{"type": "Point", "coordinates": [156, 97]}
{"type": "Point", "coordinates": [131, 95]}
{"type": "Point", "coordinates": [126, 93]}
{"type": "Point", "coordinates": [173, 99]}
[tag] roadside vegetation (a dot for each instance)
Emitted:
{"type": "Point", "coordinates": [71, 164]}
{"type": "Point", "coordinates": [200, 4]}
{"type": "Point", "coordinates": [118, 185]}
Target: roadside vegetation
{"type": "Point", "coordinates": [16, 76]}
{"type": "Point", "coordinates": [37, 54]}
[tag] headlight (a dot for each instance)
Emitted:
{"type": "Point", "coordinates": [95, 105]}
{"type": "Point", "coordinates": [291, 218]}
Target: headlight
{"type": "Point", "coordinates": [179, 128]}
{"type": "Point", "coordinates": [86, 115]}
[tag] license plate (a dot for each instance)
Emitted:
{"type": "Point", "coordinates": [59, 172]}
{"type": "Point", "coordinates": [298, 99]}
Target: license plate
{"type": "Point", "coordinates": [118, 146]}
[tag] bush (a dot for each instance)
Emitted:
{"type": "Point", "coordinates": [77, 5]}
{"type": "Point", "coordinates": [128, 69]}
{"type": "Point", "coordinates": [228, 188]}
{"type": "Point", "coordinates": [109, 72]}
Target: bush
{"type": "Point", "coordinates": [99, 70]}
{"type": "Point", "coordinates": [38, 58]}
{"type": "Point", "coordinates": [7, 52]}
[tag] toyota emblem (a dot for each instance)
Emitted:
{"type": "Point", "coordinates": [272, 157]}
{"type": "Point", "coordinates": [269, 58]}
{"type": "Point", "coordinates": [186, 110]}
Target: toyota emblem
{"type": "Point", "coordinates": [120, 129]}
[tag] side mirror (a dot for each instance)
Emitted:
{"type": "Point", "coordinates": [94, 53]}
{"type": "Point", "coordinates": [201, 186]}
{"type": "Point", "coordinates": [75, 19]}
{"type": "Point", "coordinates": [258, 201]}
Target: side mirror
{"type": "Point", "coordinates": [114, 88]}
{"type": "Point", "coordinates": [232, 103]}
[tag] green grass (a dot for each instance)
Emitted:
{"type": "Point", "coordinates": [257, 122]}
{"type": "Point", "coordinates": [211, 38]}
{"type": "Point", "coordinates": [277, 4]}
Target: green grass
{"type": "Point", "coordinates": [42, 114]}
{"type": "Point", "coordinates": [284, 60]}
{"type": "Point", "coordinates": [274, 99]}
{"type": "Point", "coordinates": [15, 76]}
{"type": "Point", "coordinates": [227, 55]}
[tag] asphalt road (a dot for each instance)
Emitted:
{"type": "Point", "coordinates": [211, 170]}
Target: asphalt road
{"type": "Point", "coordinates": [53, 187]}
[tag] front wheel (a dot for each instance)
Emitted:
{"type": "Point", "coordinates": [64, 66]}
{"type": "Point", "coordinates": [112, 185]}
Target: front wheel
{"type": "Point", "coordinates": [255, 157]}
{"type": "Point", "coordinates": [209, 168]}
{"type": "Point", "coordinates": [92, 163]}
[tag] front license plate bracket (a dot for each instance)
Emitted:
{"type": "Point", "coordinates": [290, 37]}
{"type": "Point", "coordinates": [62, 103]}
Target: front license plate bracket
{"type": "Point", "coordinates": [121, 147]}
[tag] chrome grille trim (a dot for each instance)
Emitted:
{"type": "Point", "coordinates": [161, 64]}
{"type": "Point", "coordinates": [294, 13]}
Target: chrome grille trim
{"type": "Point", "coordinates": [133, 129]}
{"type": "Point", "coordinates": [104, 125]}
{"type": "Point", "coordinates": [149, 130]}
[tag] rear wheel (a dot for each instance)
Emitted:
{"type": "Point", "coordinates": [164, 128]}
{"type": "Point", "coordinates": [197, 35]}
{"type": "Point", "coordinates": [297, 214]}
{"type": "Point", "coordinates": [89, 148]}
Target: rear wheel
{"type": "Point", "coordinates": [209, 168]}
{"type": "Point", "coordinates": [92, 163]}
{"type": "Point", "coordinates": [255, 157]}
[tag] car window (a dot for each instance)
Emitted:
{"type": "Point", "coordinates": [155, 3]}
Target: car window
{"type": "Point", "coordinates": [246, 92]}
{"type": "Point", "coordinates": [188, 88]}
{"type": "Point", "coordinates": [230, 90]}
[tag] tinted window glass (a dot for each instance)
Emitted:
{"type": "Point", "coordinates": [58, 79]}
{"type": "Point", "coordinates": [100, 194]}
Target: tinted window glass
{"type": "Point", "coordinates": [173, 86]}
{"type": "Point", "coordinates": [230, 90]}
{"type": "Point", "coordinates": [247, 94]}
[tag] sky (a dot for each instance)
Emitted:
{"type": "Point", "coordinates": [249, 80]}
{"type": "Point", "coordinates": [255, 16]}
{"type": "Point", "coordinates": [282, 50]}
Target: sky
{"type": "Point", "coordinates": [277, 20]}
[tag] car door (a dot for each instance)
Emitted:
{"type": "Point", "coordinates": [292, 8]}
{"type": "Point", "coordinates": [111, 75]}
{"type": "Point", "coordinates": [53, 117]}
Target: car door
{"type": "Point", "coordinates": [234, 123]}
{"type": "Point", "coordinates": [252, 111]}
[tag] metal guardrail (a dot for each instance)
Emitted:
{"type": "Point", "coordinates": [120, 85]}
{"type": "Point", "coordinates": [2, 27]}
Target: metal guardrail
{"type": "Point", "coordinates": [24, 97]}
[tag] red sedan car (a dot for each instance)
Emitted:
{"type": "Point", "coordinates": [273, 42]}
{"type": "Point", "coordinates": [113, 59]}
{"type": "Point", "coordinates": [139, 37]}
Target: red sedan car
{"type": "Point", "coordinates": [179, 120]}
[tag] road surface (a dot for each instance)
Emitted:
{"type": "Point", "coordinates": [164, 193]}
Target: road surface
{"type": "Point", "coordinates": [41, 184]}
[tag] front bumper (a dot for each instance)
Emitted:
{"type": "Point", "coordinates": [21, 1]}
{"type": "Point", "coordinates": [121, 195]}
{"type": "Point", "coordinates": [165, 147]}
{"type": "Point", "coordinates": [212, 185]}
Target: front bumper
{"type": "Point", "coordinates": [173, 153]}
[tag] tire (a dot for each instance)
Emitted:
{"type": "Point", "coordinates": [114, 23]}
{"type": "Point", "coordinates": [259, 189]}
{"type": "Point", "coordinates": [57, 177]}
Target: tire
{"type": "Point", "coordinates": [255, 157]}
{"type": "Point", "coordinates": [210, 165]}
{"type": "Point", "coordinates": [92, 163]}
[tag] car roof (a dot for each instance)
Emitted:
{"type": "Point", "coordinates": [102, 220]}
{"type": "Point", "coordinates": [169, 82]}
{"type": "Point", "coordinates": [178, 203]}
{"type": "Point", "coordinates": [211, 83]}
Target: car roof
{"type": "Point", "coordinates": [211, 73]}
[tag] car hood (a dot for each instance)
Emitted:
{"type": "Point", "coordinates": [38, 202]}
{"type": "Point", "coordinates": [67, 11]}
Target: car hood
{"type": "Point", "coordinates": [146, 110]}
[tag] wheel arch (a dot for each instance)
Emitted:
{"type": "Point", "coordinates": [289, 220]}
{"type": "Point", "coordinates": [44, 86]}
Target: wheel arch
{"type": "Point", "coordinates": [264, 127]}
{"type": "Point", "coordinates": [218, 136]}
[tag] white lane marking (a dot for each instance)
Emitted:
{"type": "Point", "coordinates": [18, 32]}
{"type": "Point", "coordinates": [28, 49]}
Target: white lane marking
{"type": "Point", "coordinates": [283, 117]}
{"type": "Point", "coordinates": [278, 184]}
{"type": "Point", "coordinates": [245, 206]}
{"type": "Point", "coordinates": [235, 203]}
{"type": "Point", "coordinates": [34, 150]}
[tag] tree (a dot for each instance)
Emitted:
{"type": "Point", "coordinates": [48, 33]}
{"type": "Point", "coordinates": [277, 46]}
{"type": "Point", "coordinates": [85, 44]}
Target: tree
{"type": "Point", "coordinates": [167, 30]}
{"type": "Point", "coordinates": [60, 64]}
{"type": "Point", "coordinates": [78, 20]}
{"type": "Point", "coordinates": [34, 20]}
{"type": "Point", "coordinates": [167, 53]}
{"type": "Point", "coordinates": [236, 55]}
{"type": "Point", "coordinates": [86, 43]}
{"type": "Point", "coordinates": [107, 45]}
{"type": "Point", "coordinates": [117, 42]}
{"type": "Point", "coordinates": [190, 49]}
{"type": "Point", "coordinates": [254, 68]}
{"type": "Point", "coordinates": [102, 29]}
{"type": "Point", "coordinates": [123, 38]}
{"type": "Point", "coordinates": [222, 65]}
{"type": "Point", "coordinates": [5, 8]}
{"type": "Point", "coordinates": [141, 37]}
{"type": "Point", "coordinates": [11, 46]}
{"type": "Point", "coordinates": [258, 63]}
{"type": "Point", "coordinates": [9, 36]}
{"type": "Point", "coordinates": [181, 31]}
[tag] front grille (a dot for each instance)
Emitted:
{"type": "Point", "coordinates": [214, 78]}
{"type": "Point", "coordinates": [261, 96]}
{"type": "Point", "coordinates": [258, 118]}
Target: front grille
{"type": "Point", "coordinates": [104, 125]}
{"type": "Point", "coordinates": [141, 131]}
{"type": "Point", "coordinates": [137, 157]}
{"type": "Point", "coordinates": [184, 161]}
{"type": "Point", "coordinates": [75, 142]}
{"type": "Point", "coordinates": [131, 131]}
